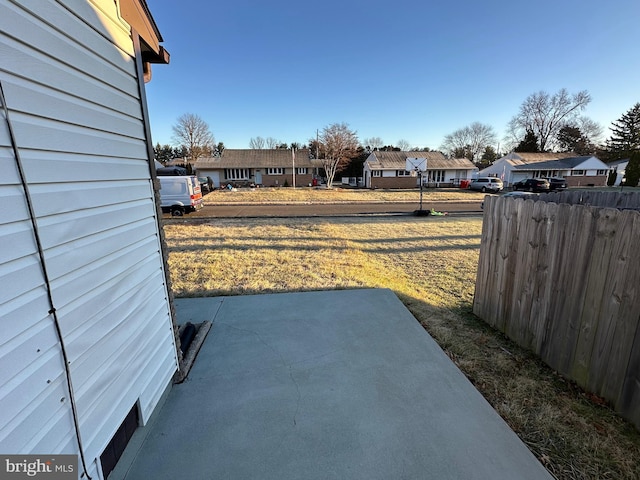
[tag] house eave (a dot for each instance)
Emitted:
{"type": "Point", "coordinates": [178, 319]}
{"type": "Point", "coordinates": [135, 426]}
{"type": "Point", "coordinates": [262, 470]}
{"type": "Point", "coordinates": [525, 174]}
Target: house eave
{"type": "Point", "coordinates": [136, 13]}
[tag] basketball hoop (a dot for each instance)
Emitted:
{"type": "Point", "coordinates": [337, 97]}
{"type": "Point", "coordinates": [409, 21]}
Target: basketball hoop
{"type": "Point", "coordinates": [417, 166]}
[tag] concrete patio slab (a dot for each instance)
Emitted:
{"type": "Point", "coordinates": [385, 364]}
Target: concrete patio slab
{"type": "Point", "coordinates": [322, 385]}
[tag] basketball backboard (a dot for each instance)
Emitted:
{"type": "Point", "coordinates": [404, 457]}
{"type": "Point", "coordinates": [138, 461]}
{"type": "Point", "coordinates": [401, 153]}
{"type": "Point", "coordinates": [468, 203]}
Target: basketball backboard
{"type": "Point", "coordinates": [416, 164]}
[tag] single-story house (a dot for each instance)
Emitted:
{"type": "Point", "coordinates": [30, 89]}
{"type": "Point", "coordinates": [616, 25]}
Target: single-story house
{"type": "Point", "coordinates": [88, 342]}
{"type": "Point", "coordinates": [619, 167]}
{"type": "Point", "coordinates": [388, 170]}
{"type": "Point", "coordinates": [504, 167]}
{"type": "Point", "coordinates": [259, 167]}
{"type": "Point", "coordinates": [587, 171]}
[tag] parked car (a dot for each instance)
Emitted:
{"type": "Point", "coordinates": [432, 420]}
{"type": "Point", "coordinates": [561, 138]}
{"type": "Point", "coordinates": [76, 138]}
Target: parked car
{"type": "Point", "coordinates": [538, 185]}
{"type": "Point", "coordinates": [557, 183]}
{"type": "Point", "coordinates": [487, 184]}
{"type": "Point", "coordinates": [519, 194]}
{"type": "Point", "coordinates": [523, 195]}
{"type": "Point", "coordinates": [171, 171]}
{"type": "Point", "coordinates": [206, 184]}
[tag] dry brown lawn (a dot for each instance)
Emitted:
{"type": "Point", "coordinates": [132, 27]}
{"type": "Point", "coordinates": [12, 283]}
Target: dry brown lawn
{"type": "Point", "coordinates": [338, 195]}
{"type": "Point", "coordinates": [431, 265]}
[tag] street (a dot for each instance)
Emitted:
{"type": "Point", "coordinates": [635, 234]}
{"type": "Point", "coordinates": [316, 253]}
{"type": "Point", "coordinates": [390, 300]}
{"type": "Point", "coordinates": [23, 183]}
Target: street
{"type": "Point", "coordinates": [321, 210]}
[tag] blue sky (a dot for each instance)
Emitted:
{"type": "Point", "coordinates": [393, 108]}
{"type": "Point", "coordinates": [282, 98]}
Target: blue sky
{"type": "Point", "coordinates": [396, 70]}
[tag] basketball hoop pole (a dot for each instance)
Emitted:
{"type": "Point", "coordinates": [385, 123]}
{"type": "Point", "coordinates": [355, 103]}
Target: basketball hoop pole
{"type": "Point", "coordinates": [420, 212]}
{"type": "Point", "coordinates": [420, 178]}
{"type": "Point", "coordinates": [417, 166]}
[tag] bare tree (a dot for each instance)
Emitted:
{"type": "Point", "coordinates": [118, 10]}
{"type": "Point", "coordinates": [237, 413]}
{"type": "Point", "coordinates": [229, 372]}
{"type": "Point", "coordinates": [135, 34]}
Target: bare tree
{"type": "Point", "coordinates": [546, 114]}
{"type": "Point", "coordinates": [256, 143]}
{"type": "Point", "coordinates": [403, 145]}
{"type": "Point", "coordinates": [272, 142]}
{"type": "Point", "coordinates": [472, 140]}
{"type": "Point", "coordinates": [338, 144]}
{"type": "Point", "coordinates": [192, 133]}
{"type": "Point", "coordinates": [373, 143]}
{"type": "Point", "coordinates": [591, 129]}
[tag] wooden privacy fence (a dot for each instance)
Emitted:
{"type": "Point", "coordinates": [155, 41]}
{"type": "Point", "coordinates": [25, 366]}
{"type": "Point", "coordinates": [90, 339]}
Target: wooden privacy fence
{"type": "Point", "coordinates": [563, 280]}
{"type": "Point", "coordinates": [622, 200]}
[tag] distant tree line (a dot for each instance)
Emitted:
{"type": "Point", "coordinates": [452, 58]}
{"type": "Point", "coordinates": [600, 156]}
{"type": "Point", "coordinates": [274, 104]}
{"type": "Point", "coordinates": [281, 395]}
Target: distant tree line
{"type": "Point", "coordinates": [548, 123]}
{"type": "Point", "coordinates": [544, 123]}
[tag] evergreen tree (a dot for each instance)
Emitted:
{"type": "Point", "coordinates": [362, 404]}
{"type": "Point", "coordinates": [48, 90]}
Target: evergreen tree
{"type": "Point", "coordinates": [632, 172]}
{"type": "Point", "coordinates": [571, 139]}
{"type": "Point", "coordinates": [164, 153]}
{"type": "Point", "coordinates": [463, 152]}
{"type": "Point", "coordinates": [626, 133]}
{"type": "Point", "coordinates": [488, 156]}
{"type": "Point", "coordinates": [529, 143]}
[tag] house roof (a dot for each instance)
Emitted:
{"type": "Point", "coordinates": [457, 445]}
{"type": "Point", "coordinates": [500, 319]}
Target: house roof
{"type": "Point", "coordinates": [558, 164]}
{"type": "Point", "coordinates": [255, 158]}
{"type": "Point", "coordinates": [615, 163]}
{"type": "Point", "coordinates": [524, 158]}
{"type": "Point", "coordinates": [398, 161]}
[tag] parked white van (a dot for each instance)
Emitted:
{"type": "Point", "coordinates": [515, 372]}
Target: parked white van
{"type": "Point", "coordinates": [180, 194]}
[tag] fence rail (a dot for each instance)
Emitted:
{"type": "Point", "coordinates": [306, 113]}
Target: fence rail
{"type": "Point", "coordinates": [620, 200]}
{"type": "Point", "coordinates": [563, 279]}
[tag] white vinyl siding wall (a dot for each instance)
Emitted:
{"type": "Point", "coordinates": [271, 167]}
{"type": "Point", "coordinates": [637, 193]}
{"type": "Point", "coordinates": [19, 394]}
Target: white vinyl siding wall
{"type": "Point", "coordinates": [68, 71]}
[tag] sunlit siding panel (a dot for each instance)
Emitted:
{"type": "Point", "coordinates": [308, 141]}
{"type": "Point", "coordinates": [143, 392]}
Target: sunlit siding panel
{"type": "Point", "coordinates": [68, 72]}
{"type": "Point", "coordinates": [71, 43]}
{"type": "Point", "coordinates": [76, 167]}
{"type": "Point", "coordinates": [58, 198]}
{"type": "Point", "coordinates": [31, 368]}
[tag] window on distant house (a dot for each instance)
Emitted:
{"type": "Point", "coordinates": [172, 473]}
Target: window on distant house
{"type": "Point", "coordinates": [301, 170]}
{"type": "Point", "coordinates": [577, 172]}
{"type": "Point", "coordinates": [275, 171]}
{"type": "Point", "coordinates": [436, 176]}
{"type": "Point", "coordinates": [236, 173]}
{"type": "Point", "coordinates": [376, 173]}
{"type": "Point", "coordinates": [602, 172]}
{"type": "Point", "coordinates": [402, 173]}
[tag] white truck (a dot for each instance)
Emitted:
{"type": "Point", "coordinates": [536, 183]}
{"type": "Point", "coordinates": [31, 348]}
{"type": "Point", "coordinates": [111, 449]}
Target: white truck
{"type": "Point", "coordinates": [180, 194]}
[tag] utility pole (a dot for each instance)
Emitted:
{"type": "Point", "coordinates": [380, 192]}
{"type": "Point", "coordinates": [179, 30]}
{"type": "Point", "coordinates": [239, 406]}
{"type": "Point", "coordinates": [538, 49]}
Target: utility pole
{"type": "Point", "coordinates": [317, 157]}
{"type": "Point", "coordinates": [293, 160]}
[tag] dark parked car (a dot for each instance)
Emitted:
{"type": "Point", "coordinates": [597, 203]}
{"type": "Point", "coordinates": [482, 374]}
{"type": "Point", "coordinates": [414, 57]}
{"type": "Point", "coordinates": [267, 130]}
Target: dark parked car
{"type": "Point", "coordinates": [557, 183]}
{"type": "Point", "coordinates": [171, 171]}
{"type": "Point", "coordinates": [206, 184]}
{"type": "Point", "coordinates": [523, 195]}
{"type": "Point", "coordinates": [539, 185]}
